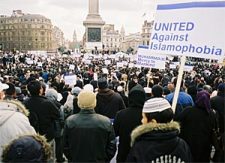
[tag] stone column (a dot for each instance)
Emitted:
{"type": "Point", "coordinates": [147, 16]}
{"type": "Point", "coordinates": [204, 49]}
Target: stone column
{"type": "Point", "coordinates": [93, 6]}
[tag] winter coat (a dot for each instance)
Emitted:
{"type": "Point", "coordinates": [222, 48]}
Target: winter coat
{"type": "Point", "coordinates": [13, 122]}
{"type": "Point", "coordinates": [59, 123]}
{"type": "Point", "coordinates": [184, 100]}
{"type": "Point", "coordinates": [217, 103]}
{"type": "Point", "coordinates": [128, 119]}
{"type": "Point", "coordinates": [109, 103]}
{"type": "Point", "coordinates": [196, 131]}
{"type": "Point", "coordinates": [89, 137]}
{"type": "Point", "coordinates": [43, 114]}
{"type": "Point", "coordinates": [155, 142]}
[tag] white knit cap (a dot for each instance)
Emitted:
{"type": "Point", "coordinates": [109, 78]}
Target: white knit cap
{"type": "Point", "coordinates": [156, 105]}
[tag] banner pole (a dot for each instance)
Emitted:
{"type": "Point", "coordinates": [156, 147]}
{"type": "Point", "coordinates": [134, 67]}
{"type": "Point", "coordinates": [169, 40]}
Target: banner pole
{"type": "Point", "coordinates": [180, 76]}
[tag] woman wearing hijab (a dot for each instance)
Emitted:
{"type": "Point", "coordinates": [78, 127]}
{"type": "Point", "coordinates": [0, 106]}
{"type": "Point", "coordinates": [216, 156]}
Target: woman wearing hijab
{"type": "Point", "coordinates": [196, 127]}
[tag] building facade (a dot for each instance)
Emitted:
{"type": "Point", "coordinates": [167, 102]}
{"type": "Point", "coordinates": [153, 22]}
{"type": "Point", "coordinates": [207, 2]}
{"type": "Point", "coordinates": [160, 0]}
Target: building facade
{"type": "Point", "coordinates": [58, 38]}
{"type": "Point", "coordinates": [112, 38]}
{"type": "Point", "coordinates": [131, 42]}
{"type": "Point", "coordinates": [146, 32]}
{"type": "Point", "coordinates": [25, 32]}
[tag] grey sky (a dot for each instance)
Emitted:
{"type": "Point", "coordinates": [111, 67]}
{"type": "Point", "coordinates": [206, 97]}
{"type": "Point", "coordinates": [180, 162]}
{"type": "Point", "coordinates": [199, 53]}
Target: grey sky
{"type": "Point", "coordinates": [70, 14]}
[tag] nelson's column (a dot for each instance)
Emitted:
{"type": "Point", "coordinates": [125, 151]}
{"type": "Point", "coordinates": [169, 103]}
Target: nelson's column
{"type": "Point", "coordinates": [93, 27]}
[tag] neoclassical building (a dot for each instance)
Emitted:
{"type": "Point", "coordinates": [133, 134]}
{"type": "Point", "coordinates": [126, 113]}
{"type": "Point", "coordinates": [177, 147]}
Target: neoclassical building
{"type": "Point", "coordinates": [146, 32]}
{"type": "Point", "coordinates": [112, 38]}
{"type": "Point", "coordinates": [25, 32]}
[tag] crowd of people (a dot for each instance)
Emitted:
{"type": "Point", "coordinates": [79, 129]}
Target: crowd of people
{"type": "Point", "coordinates": [44, 118]}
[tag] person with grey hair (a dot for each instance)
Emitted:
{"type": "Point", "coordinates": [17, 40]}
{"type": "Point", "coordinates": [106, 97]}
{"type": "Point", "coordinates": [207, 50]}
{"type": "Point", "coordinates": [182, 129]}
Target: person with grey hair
{"type": "Point", "coordinates": [52, 95]}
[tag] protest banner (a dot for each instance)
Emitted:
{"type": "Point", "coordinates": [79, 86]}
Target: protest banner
{"type": "Point", "coordinates": [173, 66]}
{"type": "Point", "coordinates": [107, 62]}
{"type": "Point", "coordinates": [119, 64]}
{"type": "Point", "coordinates": [39, 64]}
{"type": "Point", "coordinates": [105, 71]}
{"type": "Point", "coordinates": [70, 80]}
{"type": "Point", "coordinates": [189, 34]}
{"type": "Point", "coordinates": [188, 68]}
{"type": "Point", "coordinates": [146, 59]}
{"type": "Point", "coordinates": [131, 65]}
{"type": "Point", "coordinates": [71, 67]}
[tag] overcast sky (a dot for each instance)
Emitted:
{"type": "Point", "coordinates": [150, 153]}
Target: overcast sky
{"type": "Point", "coordinates": [69, 15]}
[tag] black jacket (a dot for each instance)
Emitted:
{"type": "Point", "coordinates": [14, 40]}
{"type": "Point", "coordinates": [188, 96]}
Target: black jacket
{"type": "Point", "coordinates": [43, 114]}
{"type": "Point", "coordinates": [109, 103]}
{"type": "Point", "coordinates": [89, 137]}
{"type": "Point", "coordinates": [217, 103]}
{"type": "Point", "coordinates": [158, 143]}
{"type": "Point", "coordinates": [128, 119]}
{"type": "Point", "coordinates": [196, 130]}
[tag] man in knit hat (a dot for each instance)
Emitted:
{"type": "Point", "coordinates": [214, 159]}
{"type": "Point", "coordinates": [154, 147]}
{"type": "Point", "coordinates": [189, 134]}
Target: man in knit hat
{"type": "Point", "coordinates": [156, 140]}
{"type": "Point", "coordinates": [89, 137]}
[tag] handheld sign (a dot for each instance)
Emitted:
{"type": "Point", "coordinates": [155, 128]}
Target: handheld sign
{"type": "Point", "coordinates": [190, 33]}
{"type": "Point", "coordinates": [107, 62]}
{"type": "Point", "coordinates": [71, 67]}
{"type": "Point", "coordinates": [119, 64]}
{"type": "Point", "coordinates": [146, 59]}
{"type": "Point", "coordinates": [188, 68]}
{"type": "Point", "coordinates": [70, 80]}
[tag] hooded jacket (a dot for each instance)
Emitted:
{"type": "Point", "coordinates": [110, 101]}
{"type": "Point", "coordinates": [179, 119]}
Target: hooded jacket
{"type": "Point", "coordinates": [128, 119]}
{"type": "Point", "coordinates": [158, 142]}
{"type": "Point", "coordinates": [109, 103]}
{"type": "Point", "coordinates": [13, 122]}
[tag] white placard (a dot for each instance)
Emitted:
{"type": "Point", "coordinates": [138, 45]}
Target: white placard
{"type": "Point", "coordinates": [131, 65]}
{"type": "Point", "coordinates": [95, 76]}
{"type": "Point", "coordinates": [107, 62]}
{"type": "Point", "coordinates": [70, 80]}
{"type": "Point", "coordinates": [188, 68]}
{"type": "Point", "coordinates": [172, 66]}
{"type": "Point", "coordinates": [112, 56]}
{"type": "Point", "coordinates": [146, 59]}
{"type": "Point", "coordinates": [119, 64]}
{"type": "Point", "coordinates": [87, 61]}
{"type": "Point", "coordinates": [71, 67]}
{"type": "Point", "coordinates": [105, 71]}
{"type": "Point", "coordinates": [190, 33]}
{"type": "Point", "coordinates": [39, 64]}
{"type": "Point", "coordinates": [125, 63]}
{"type": "Point", "coordinates": [30, 62]}
{"type": "Point", "coordinates": [176, 63]}
{"type": "Point", "coordinates": [97, 56]}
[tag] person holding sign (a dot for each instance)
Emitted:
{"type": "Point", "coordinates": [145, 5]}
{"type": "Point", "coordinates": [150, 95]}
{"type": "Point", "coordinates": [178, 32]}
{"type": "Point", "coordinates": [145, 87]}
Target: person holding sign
{"type": "Point", "coordinates": [184, 99]}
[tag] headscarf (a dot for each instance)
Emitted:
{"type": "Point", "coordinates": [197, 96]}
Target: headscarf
{"type": "Point", "coordinates": [203, 100]}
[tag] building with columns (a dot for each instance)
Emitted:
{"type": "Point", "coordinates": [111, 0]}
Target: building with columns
{"type": "Point", "coordinates": [112, 38]}
{"type": "Point", "coordinates": [93, 27]}
{"type": "Point", "coordinates": [25, 32]}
